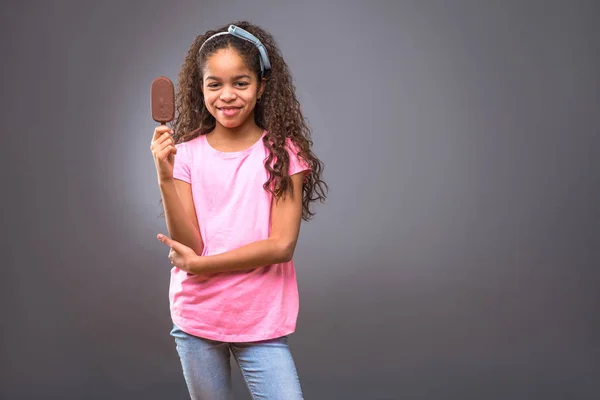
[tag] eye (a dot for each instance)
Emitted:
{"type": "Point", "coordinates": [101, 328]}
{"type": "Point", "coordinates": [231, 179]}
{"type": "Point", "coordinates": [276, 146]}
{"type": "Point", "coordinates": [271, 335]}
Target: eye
{"type": "Point", "coordinates": [213, 85]}
{"type": "Point", "coordinates": [241, 84]}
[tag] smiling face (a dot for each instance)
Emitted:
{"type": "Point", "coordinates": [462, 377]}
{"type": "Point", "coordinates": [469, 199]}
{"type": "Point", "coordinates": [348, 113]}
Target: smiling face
{"type": "Point", "coordinates": [230, 89]}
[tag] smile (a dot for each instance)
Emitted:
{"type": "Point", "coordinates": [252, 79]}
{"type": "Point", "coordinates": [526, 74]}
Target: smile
{"type": "Point", "coordinates": [229, 111]}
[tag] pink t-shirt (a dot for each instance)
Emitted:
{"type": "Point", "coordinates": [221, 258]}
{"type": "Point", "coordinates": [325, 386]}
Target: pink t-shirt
{"type": "Point", "coordinates": [233, 209]}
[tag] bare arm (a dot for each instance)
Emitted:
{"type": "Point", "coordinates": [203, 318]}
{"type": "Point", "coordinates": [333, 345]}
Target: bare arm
{"type": "Point", "coordinates": [180, 213]}
{"type": "Point", "coordinates": [286, 215]}
{"type": "Point", "coordinates": [176, 194]}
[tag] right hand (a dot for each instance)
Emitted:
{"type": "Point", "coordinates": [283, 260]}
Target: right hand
{"type": "Point", "coordinates": [163, 150]}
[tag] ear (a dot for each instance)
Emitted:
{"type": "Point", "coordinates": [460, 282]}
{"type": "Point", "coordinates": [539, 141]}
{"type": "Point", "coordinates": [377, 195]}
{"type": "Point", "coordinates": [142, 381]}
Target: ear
{"type": "Point", "coordinates": [261, 87]}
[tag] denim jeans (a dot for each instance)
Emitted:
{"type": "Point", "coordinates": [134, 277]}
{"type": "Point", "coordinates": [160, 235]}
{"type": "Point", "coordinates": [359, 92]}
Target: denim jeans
{"type": "Point", "coordinates": [267, 367]}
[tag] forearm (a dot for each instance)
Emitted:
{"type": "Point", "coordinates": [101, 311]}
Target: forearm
{"type": "Point", "coordinates": [253, 255]}
{"type": "Point", "coordinates": [179, 225]}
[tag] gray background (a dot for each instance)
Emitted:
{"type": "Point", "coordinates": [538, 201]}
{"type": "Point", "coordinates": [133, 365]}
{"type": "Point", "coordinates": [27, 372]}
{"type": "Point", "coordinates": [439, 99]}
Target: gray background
{"type": "Point", "coordinates": [457, 255]}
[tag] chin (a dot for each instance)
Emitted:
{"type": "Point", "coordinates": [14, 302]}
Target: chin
{"type": "Point", "coordinates": [231, 124]}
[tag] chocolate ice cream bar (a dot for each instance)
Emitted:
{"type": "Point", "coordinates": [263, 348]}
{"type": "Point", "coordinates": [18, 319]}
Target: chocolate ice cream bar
{"type": "Point", "coordinates": [163, 100]}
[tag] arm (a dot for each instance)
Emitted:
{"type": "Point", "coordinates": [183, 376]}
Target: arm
{"type": "Point", "coordinates": [180, 213]}
{"type": "Point", "coordinates": [286, 215]}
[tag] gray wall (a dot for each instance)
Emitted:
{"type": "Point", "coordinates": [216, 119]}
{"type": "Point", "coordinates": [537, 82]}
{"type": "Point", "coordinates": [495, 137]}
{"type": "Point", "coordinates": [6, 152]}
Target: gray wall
{"type": "Point", "coordinates": [457, 255]}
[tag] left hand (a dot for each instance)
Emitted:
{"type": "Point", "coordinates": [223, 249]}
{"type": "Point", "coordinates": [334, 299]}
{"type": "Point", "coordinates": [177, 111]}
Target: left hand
{"type": "Point", "coordinates": [180, 255]}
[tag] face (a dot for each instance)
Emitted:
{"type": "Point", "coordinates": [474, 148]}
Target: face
{"type": "Point", "coordinates": [230, 88]}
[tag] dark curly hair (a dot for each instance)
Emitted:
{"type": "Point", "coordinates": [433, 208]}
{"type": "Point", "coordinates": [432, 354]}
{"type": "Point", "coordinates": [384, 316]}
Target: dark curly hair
{"type": "Point", "coordinates": [278, 111]}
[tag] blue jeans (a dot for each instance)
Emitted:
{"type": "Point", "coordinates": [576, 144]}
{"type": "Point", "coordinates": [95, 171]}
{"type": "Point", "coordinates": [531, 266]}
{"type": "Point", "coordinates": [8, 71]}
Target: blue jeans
{"type": "Point", "coordinates": [267, 367]}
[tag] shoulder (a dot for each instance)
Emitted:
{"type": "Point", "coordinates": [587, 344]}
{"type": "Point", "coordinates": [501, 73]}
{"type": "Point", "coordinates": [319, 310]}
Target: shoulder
{"type": "Point", "coordinates": [297, 162]}
{"type": "Point", "coordinates": [291, 147]}
{"type": "Point", "coordinates": [189, 147]}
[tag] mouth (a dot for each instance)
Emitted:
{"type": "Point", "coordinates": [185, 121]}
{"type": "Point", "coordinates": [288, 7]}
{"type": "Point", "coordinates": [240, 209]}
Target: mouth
{"type": "Point", "coordinates": [229, 111]}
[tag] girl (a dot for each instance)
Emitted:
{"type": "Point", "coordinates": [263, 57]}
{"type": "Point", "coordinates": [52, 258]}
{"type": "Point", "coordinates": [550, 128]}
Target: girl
{"type": "Point", "coordinates": [236, 175]}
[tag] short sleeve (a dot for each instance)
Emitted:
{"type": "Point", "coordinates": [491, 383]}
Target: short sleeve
{"type": "Point", "coordinates": [297, 164]}
{"type": "Point", "coordinates": [182, 163]}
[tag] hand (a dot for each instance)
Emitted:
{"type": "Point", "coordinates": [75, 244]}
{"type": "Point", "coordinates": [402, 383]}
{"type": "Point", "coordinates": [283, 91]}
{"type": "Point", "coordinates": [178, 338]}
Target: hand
{"type": "Point", "coordinates": [180, 255]}
{"type": "Point", "coordinates": [163, 151]}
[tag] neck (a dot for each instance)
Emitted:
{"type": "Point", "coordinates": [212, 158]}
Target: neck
{"type": "Point", "coordinates": [247, 130]}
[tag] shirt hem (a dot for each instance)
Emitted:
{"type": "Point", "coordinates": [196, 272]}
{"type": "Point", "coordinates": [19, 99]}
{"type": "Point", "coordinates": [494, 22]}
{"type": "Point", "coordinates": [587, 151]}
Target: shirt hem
{"type": "Point", "coordinates": [231, 338]}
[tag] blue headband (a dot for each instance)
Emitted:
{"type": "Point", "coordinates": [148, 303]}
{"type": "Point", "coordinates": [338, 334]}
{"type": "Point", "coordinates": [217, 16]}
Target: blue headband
{"type": "Point", "coordinates": [236, 31]}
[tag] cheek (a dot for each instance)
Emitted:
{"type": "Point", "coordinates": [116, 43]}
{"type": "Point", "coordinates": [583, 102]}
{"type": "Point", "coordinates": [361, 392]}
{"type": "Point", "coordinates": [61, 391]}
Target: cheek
{"type": "Point", "coordinates": [250, 99]}
{"type": "Point", "coordinates": [209, 98]}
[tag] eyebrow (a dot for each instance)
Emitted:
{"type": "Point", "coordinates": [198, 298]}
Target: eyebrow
{"type": "Point", "coordinates": [235, 78]}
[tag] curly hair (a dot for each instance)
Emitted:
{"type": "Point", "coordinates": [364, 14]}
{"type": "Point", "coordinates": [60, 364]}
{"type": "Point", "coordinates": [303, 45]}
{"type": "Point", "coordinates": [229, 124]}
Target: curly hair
{"type": "Point", "coordinates": [278, 111]}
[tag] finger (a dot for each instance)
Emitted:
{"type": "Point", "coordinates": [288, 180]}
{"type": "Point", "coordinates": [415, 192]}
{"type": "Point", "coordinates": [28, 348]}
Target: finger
{"type": "Point", "coordinates": [159, 130]}
{"type": "Point", "coordinates": [164, 136]}
{"type": "Point", "coordinates": [163, 140]}
{"type": "Point", "coordinates": [164, 153]}
{"type": "Point", "coordinates": [166, 240]}
{"type": "Point", "coordinates": [160, 147]}
{"type": "Point", "coordinates": [175, 246]}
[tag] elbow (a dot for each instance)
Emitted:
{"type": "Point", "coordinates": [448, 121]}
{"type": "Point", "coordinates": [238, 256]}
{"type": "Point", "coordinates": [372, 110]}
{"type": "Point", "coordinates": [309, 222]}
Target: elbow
{"type": "Point", "coordinates": [285, 250]}
{"type": "Point", "coordinates": [287, 256]}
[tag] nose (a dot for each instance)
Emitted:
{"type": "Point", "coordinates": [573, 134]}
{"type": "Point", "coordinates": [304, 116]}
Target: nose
{"type": "Point", "coordinates": [228, 94]}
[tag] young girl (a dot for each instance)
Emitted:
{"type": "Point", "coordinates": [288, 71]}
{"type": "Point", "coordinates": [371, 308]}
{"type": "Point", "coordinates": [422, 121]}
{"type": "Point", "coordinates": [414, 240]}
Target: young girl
{"type": "Point", "coordinates": [236, 175]}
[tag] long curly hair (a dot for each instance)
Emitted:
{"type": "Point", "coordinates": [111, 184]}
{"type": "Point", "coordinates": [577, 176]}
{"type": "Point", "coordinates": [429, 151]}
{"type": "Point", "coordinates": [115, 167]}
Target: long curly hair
{"type": "Point", "coordinates": [278, 111]}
